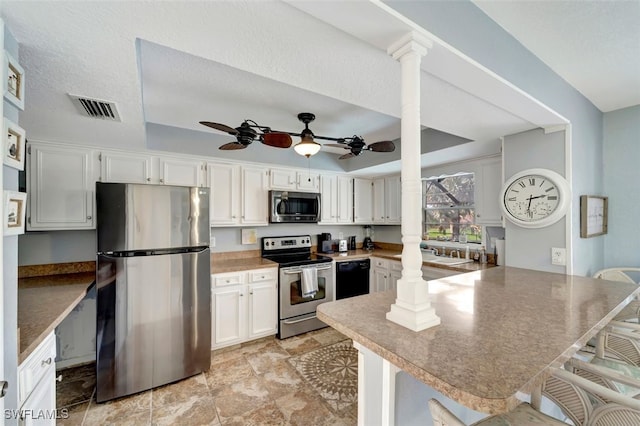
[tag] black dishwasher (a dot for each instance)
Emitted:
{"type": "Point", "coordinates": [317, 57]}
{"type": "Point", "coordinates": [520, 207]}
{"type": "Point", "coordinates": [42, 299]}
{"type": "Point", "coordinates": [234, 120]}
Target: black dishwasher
{"type": "Point", "coordinates": [352, 278]}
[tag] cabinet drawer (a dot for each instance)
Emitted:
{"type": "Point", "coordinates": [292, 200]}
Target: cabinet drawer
{"type": "Point", "coordinates": [379, 263]}
{"type": "Point", "coordinates": [395, 266]}
{"type": "Point", "coordinates": [35, 367]}
{"type": "Point", "coordinates": [263, 275]}
{"type": "Point", "coordinates": [232, 278]}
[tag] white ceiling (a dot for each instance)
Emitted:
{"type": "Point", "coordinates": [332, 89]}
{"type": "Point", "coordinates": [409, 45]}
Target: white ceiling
{"type": "Point", "coordinates": [593, 45]}
{"type": "Point", "coordinates": [177, 63]}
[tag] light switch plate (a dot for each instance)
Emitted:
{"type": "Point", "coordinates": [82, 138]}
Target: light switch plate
{"type": "Point", "coordinates": [558, 256]}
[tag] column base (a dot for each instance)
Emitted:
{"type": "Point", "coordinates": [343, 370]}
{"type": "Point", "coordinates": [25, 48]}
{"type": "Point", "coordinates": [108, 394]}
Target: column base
{"type": "Point", "coordinates": [415, 320]}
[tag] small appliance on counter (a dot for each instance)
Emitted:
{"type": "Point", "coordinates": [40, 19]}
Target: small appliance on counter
{"type": "Point", "coordinates": [325, 243]}
{"type": "Point", "coordinates": [352, 242]}
{"type": "Point", "coordinates": [367, 243]}
{"type": "Point", "coordinates": [342, 246]}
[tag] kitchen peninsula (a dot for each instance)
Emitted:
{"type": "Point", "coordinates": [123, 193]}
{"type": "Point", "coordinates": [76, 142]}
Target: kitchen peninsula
{"type": "Point", "coordinates": [501, 331]}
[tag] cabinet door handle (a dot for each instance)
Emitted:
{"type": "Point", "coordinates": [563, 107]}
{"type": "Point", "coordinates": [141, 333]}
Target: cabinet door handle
{"type": "Point", "coordinates": [59, 378]}
{"type": "Point", "coordinates": [161, 180]}
{"type": "Point", "coordinates": [148, 179]}
{"type": "Point", "coordinates": [251, 292]}
{"type": "Point", "coordinates": [46, 362]}
{"type": "Point", "coordinates": [241, 294]}
{"type": "Point", "coordinates": [3, 388]}
{"type": "Point", "coordinates": [88, 217]}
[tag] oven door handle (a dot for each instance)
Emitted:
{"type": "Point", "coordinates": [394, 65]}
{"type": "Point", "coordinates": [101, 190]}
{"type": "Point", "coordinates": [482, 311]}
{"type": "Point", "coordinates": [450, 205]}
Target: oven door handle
{"type": "Point", "coordinates": [298, 271]}
{"type": "Point", "coordinates": [299, 320]}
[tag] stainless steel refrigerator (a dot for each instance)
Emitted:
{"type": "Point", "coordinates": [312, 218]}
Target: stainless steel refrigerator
{"type": "Point", "coordinates": [153, 286]}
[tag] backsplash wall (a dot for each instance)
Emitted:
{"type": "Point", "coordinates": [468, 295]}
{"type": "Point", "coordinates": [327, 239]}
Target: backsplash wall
{"type": "Point", "coordinates": [37, 248]}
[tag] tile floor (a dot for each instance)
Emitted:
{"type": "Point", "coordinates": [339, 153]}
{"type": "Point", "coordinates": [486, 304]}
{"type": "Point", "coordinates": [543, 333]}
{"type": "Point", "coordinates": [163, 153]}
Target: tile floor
{"type": "Point", "coordinates": [264, 382]}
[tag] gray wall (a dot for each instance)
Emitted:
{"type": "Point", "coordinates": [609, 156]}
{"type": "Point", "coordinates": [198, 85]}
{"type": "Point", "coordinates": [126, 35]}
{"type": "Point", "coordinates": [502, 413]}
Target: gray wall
{"type": "Point", "coordinates": [10, 272]}
{"type": "Point", "coordinates": [38, 248]}
{"type": "Point", "coordinates": [468, 29]}
{"type": "Point", "coordinates": [621, 180]}
{"type": "Point", "coordinates": [531, 248]}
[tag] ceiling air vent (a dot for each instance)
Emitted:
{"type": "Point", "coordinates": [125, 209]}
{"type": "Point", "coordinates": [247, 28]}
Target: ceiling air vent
{"type": "Point", "coordinates": [96, 108]}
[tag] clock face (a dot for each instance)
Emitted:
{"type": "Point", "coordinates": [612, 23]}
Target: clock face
{"type": "Point", "coordinates": [535, 198]}
{"type": "Point", "coordinates": [531, 198]}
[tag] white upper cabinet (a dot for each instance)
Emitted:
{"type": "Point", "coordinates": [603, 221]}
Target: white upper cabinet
{"type": "Point", "coordinates": [292, 180]}
{"type": "Point", "coordinates": [282, 179]}
{"type": "Point", "coordinates": [224, 193]}
{"type": "Point", "coordinates": [387, 200]}
{"type": "Point", "coordinates": [255, 196]}
{"type": "Point", "coordinates": [379, 211]}
{"type": "Point", "coordinates": [362, 200]}
{"type": "Point", "coordinates": [116, 166]}
{"type": "Point", "coordinates": [238, 194]}
{"type": "Point", "coordinates": [181, 172]}
{"type": "Point", "coordinates": [60, 187]}
{"type": "Point", "coordinates": [393, 200]}
{"type": "Point", "coordinates": [345, 199]}
{"type": "Point", "coordinates": [125, 167]}
{"type": "Point", "coordinates": [488, 182]}
{"type": "Point", "coordinates": [307, 181]}
{"type": "Point", "coordinates": [328, 199]}
{"type": "Point", "coordinates": [336, 199]}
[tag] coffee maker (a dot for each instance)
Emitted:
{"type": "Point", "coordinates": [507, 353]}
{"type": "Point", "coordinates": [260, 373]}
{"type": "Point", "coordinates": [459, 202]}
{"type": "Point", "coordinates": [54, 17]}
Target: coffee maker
{"type": "Point", "coordinates": [367, 243]}
{"type": "Point", "coordinates": [324, 243]}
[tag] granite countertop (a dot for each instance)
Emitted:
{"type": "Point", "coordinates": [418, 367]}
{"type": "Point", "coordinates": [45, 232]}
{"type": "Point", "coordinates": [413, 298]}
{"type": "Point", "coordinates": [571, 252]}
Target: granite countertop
{"type": "Point", "coordinates": [393, 255]}
{"type": "Point", "coordinates": [43, 302]}
{"type": "Point", "coordinates": [501, 330]}
{"type": "Point", "coordinates": [220, 263]}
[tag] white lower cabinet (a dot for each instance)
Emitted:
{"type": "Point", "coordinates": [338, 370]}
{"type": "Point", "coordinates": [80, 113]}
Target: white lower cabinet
{"type": "Point", "coordinates": [244, 306]}
{"type": "Point", "coordinates": [385, 274]}
{"type": "Point", "coordinates": [37, 385]}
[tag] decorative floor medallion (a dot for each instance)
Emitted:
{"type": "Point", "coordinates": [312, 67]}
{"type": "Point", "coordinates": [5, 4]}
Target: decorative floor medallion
{"type": "Point", "coordinates": [333, 372]}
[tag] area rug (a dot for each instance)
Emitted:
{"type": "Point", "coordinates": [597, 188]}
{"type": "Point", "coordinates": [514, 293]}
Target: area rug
{"type": "Point", "coordinates": [333, 372]}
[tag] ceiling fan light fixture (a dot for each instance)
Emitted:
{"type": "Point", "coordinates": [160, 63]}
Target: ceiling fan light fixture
{"type": "Point", "coordinates": [307, 146]}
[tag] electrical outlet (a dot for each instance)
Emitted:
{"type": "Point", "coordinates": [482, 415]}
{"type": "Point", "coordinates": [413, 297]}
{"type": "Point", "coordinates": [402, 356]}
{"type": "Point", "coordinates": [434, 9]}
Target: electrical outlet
{"type": "Point", "coordinates": [558, 256]}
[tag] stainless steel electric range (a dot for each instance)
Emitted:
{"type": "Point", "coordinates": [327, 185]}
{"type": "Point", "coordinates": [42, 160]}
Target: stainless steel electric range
{"type": "Point", "coordinates": [296, 305]}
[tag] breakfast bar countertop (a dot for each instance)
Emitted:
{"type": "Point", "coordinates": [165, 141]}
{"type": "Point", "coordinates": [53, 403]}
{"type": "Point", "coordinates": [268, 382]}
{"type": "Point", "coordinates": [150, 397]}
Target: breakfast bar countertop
{"type": "Point", "coordinates": [43, 302]}
{"type": "Point", "coordinates": [501, 330]}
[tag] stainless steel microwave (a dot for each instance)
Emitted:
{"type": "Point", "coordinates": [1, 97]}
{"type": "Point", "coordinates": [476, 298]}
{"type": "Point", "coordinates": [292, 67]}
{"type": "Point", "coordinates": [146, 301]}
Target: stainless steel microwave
{"type": "Point", "coordinates": [294, 207]}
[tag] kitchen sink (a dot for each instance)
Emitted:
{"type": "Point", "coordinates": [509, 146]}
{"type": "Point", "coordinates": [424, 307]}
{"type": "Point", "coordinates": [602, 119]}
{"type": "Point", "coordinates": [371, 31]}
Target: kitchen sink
{"type": "Point", "coordinates": [431, 258]}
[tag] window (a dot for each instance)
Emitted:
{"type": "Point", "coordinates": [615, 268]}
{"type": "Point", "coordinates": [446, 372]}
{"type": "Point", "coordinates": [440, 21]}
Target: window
{"type": "Point", "coordinates": [449, 209]}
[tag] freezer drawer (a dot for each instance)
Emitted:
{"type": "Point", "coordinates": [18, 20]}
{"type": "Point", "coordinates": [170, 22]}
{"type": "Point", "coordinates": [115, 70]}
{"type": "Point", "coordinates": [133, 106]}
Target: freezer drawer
{"type": "Point", "coordinates": [153, 321]}
{"type": "Point", "coordinates": [147, 217]}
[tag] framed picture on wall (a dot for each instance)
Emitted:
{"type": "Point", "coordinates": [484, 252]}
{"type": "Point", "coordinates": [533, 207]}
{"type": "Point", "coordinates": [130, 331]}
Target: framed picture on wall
{"type": "Point", "coordinates": [15, 206]}
{"type": "Point", "coordinates": [13, 144]}
{"type": "Point", "coordinates": [13, 84]}
{"type": "Point", "coordinates": [593, 215]}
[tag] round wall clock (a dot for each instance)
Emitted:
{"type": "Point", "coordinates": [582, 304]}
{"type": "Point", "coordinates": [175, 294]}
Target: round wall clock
{"type": "Point", "coordinates": [535, 198]}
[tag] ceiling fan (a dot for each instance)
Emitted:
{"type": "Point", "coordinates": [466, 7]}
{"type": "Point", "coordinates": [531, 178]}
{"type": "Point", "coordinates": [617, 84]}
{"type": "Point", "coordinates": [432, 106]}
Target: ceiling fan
{"type": "Point", "coordinates": [307, 147]}
{"type": "Point", "coordinates": [245, 134]}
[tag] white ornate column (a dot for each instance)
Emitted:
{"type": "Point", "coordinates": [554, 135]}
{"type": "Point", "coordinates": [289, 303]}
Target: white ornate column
{"type": "Point", "coordinates": [412, 308]}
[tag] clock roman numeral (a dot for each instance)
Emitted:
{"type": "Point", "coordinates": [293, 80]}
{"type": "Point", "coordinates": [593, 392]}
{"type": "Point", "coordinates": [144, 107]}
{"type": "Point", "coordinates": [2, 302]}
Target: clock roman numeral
{"type": "Point", "coordinates": [532, 181]}
{"type": "Point", "coordinates": [552, 197]}
{"type": "Point", "coordinates": [513, 190]}
{"type": "Point", "coordinates": [522, 184]}
{"type": "Point", "coordinates": [550, 189]}
{"type": "Point", "coordinates": [512, 199]}
{"type": "Point", "coordinates": [542, 183]}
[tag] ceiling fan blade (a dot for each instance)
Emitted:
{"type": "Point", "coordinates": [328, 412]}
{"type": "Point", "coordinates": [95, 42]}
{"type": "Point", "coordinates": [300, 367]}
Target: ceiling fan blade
{"type": "Point", "coordinates": [336, 145]}
{"type": "Point", "coordinates": [232, 146]}
{"type": "Point", "coordinates": [221, 127]}
{"type": "Point", "coordinates": [276, 139]}
{"type": "Point", "coordinates": [382, 146]}
{"type": "Point", "coordinates": [345, 156]}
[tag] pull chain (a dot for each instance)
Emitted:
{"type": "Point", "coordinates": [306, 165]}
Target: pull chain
{"type": "Point", "coordinates": [309, 168]}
